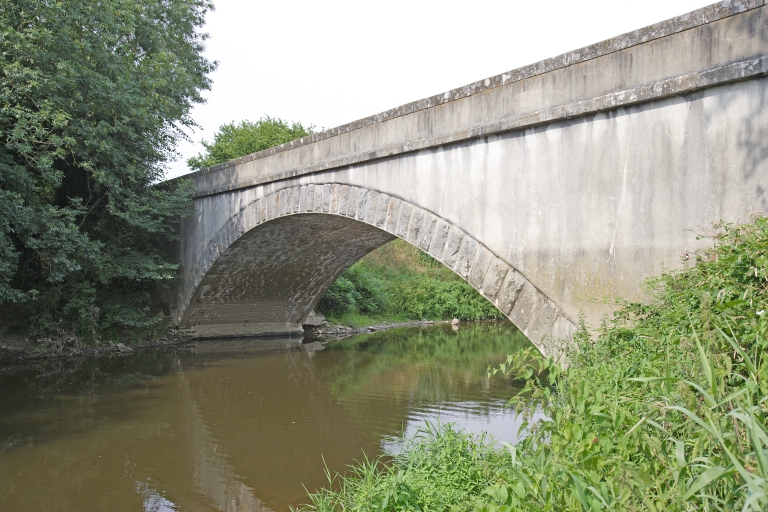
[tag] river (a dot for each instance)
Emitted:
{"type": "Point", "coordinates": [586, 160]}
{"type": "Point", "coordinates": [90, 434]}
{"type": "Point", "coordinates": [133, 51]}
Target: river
{"type": "Point", "coordinates": [238, 425]}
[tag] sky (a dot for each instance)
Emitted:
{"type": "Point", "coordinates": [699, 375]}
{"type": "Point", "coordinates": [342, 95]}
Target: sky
{"type": "Point", "coordinates": [332, 62]}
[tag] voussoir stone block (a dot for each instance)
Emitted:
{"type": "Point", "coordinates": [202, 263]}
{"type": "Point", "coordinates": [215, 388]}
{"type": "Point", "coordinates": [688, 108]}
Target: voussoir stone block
{"type": "Point", "coordinates": [326, 198]}
{"type": "Point", "coordinates": [494, 278]}
{"type": "Point", "coordinates": [248, 217]}
{"type": "Point", "coordinates": [541, 324]}
{"type": "Point", "coordinates": [527, 305]}
{"type": "Point", "coordinates": [317, 204]}
{"type": "Point", "coordinates": [295, 200]}
{"type": "Point", "coordinates": [373, 204]}
{"type": "Point", "coordinates": [343, 200]}
{"type": "Point", "coordinates": [262, 210]}
{"type": "Point", "coordinates": [510, 291]}
{"type": "Point", "coordinates": [362, 204]}
{"type": "Point", "coordinates": [308, 204]}
{"type": "Point", "coordinates": [427, 231]}
{"type": "Point", "coordinates": [480, 267]}
{"type": "Point", "coordinates": [438, 240]}
{"type": "Point", "coordinates": [352, 201]}
{"type": "Point", "coordinates": [241, 224]}
{"type": "Point", "coordinates": [452, 246]}
{"type": "Point", "coordinates": [284, 202]}
{"type": "Point", "coordinates": [393, 210]}
{"type": "Point", "coordinates": [335, 192]}
{"type": "Point", "coordinates": [381, 210]}
{"type": "Point", "coordinates": [414, 228]}
{"type": "Point", "coordinates": [302, 199]}
{"type": "Point", "coordinates": [272, 203]}
{"type": "Point", "coordinates": [403, 220]}
{"type": "Point", "coordinates": [466, 257]}
{"type": "Point", "coordinates": [562, 341]}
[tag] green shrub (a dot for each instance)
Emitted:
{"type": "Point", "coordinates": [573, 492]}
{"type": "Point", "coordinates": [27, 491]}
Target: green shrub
{"type": "Point", "coordinates": [357, 291]}
{"type": "Point", "coordinates": [93, 99]}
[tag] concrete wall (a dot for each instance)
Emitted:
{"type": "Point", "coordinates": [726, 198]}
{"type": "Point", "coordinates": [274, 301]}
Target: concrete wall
{"type": "Point", "coordinates": [584, 174]}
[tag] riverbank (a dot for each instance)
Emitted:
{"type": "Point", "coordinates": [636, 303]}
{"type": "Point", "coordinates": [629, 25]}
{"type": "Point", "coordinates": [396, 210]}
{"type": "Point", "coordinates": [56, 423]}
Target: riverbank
{"type": "Point", "coordinates": [20, 350]}
{"type": "Point", "coordinates": [333, 332]}
{"type": "Point", "coordinates": [664, 407]}
{"type": "Point", "coordinates": [396, 285]}
{"type": "Point", "coordinates": [400, 283]}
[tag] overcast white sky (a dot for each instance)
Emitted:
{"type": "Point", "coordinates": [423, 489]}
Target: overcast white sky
{"type": "Point", "coordinates": [331, 62]}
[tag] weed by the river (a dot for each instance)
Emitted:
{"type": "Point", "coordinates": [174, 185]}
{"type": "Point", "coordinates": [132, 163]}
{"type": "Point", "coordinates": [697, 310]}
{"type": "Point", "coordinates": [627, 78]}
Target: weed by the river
{"type": "Point", "coordinates": [662, 408]}
{"type": "Point", "coordinates": [436, 469]}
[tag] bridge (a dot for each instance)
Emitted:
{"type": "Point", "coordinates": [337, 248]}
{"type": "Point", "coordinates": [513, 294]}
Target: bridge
{"type": "Point", "coordinates": [547, 188]}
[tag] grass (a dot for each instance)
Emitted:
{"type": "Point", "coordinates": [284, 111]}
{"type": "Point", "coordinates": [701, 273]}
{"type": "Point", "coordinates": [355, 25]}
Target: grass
{"type": "Point", "coordinates": [397, 282]}
{"type": "Point", "coordinates": [663, 407]}
{"type": "Point", "coordinates": [438, 468]}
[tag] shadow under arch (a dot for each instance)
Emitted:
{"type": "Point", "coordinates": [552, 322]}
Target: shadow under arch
{"type": "Point", "coordinates": [265, 270]}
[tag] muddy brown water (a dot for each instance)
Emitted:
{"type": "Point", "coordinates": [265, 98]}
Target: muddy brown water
{"type": "Point", "coordinates": [237, 425]}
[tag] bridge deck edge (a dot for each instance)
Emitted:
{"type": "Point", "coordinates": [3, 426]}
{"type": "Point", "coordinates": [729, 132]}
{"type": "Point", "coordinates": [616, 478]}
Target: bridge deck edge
{"type": "Point", "coordinates": [702, 16]}
{"type": "Point", "coordinates": [684, 84]}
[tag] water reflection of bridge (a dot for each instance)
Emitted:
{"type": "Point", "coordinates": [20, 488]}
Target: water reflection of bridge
{"type": "Point", "coordinates": [215, 477]}
{"type": "Point", "coordinates": [270, 415]}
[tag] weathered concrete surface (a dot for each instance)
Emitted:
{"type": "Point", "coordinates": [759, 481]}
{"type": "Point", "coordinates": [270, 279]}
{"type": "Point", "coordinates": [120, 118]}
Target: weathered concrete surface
{"type": "Point", "coordinates": [546, 187]}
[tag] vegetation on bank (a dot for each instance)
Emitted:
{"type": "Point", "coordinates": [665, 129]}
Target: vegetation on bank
{"type": "Point", "coordinates": [398, 282]}
{"type": "Point", "coordinates": [93, 98]}
{"type": "Point", "coordinates": [662, 407]}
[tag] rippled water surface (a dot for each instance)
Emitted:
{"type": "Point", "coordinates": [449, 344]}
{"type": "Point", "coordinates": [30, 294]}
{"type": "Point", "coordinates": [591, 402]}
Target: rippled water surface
{"type": "Point", "coordinates": [237, 425]}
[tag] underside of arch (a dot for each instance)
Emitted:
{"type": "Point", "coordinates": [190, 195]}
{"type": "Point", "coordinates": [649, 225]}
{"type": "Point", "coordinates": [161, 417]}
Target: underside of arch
{"type": "Point", "coordinates": [268, 280]}
{"type": "Point", "coordinates": [267, 268]}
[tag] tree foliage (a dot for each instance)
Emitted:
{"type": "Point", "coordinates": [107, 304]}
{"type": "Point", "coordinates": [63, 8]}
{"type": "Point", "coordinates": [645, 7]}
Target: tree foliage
{"type": "Point", "coordinates": [236, 140]}
{"type": "Point", "coordinates": [93, 97]}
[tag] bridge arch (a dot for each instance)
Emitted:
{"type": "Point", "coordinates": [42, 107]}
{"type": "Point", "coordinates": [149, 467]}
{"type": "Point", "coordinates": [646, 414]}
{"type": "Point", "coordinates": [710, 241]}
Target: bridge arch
{"type": "Point", "coordinates": [265, 270]}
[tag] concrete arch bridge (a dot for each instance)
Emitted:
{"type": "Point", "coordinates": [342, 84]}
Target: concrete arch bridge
{"type": "Point", "coordinates": [544, 187]}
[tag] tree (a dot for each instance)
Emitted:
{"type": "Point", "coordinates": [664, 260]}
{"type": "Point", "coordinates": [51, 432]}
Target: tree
{"type": "Point", "coordinates": [93, 97]}
{"type": "Point", "coordinates": [233, 141]}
